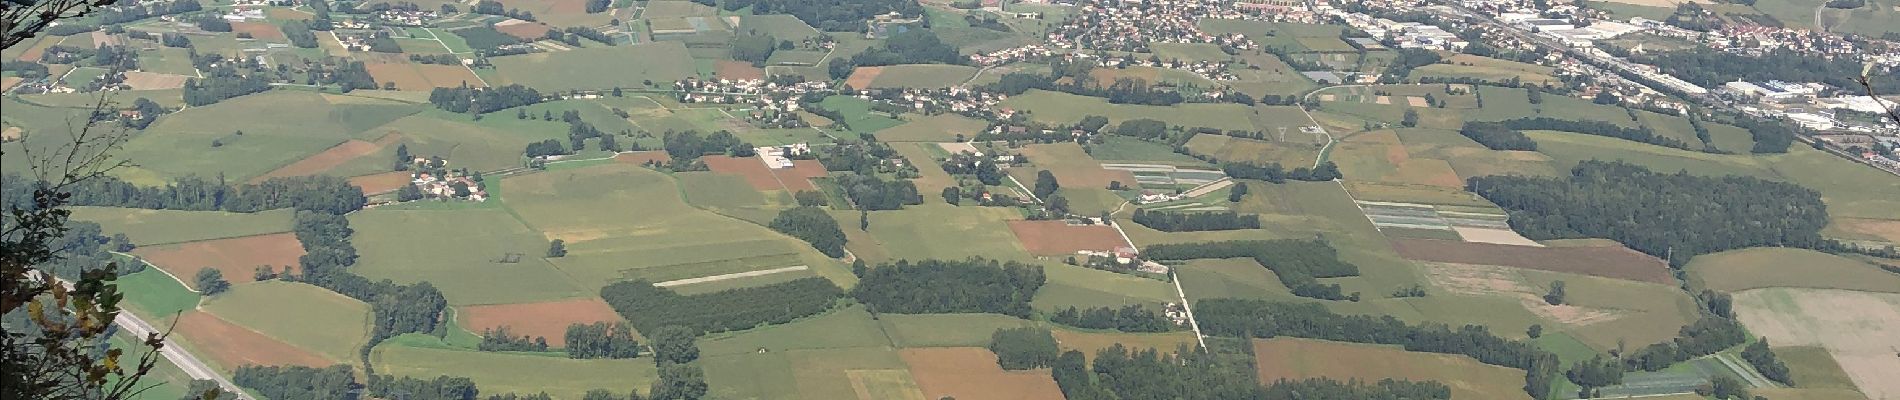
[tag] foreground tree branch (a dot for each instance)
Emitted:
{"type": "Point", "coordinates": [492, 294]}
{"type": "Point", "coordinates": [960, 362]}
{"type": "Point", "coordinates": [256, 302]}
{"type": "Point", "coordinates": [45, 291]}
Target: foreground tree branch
{"type": "Point", "coordinates": [24, 19]}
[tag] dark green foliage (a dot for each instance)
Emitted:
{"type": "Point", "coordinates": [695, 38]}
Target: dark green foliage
{"type": "Point", "coordinates": [1666, 215]}
{"type": "Point", "coordinates": [673, 344]}
{"type": "Point", "coordinates": [1556, 294]}
{"type": "Point", "coordinates": [1233, 195]}
{"type": "Point", "coordinates": [1046, 184]}
{"type": "Point", "coordinates": [213, 23]}
{"type": "Point", "coordinates": [1264, 319]}
{"type": "Point", "coordinates": [544, 148]}
{"type": "Point", "coordinates": [443, 387]}
{"type": "Point", "coordinates": [863, 157]}
{"type": "Point", "coordinates": [915, 46]}
{"type": "Point", "coordinates": [501, 339]}
{"type": "Point", "coordinates": [557, 248]}
{"type": "Point", "coordinates": [1497, 137]}
{"type": "Point", "coordinates": [1758, 355]}
{"type": "Point", "coordinates": [648, 307]}
{"type": "Point", "coordinates": [814, 226]}
{"type": "Point", "coordinates": [679, 382]}
{"type": "Point", "coordinates": [1196, 221]}
{"type": "Point", "coordinates": [210, 281]}
{"type": "Point", "coordinates": [1704, 337]}
{"type": "Point", "coordinates": [1725, 388]}
{"type": "Point", "coordinates": [1596, 372]}
{"type": "Point", "coordinates": [465, 99]}
{"type": "Point", "coordinates": [1410, 59]}
{"type": "Point", "coordinates": [1535, 331]}
{"type": "Point", "coordinates": [836, 15]}
{"type": "Point", "coordinates": [1024, 348]}
{"type": "Point", "coordinates": [601, 340]}
{"type": "Point", "coordinates": [1274, 173]}
{"type": "Point", "coordinates": [484, 38]}
{"type": "Point", "coordinates": [690, 145]}
{"type": "Point", "coordinates": [299, 34]}
{"type": "Point", "coordinates": [1129, 318]}
{"type": "Point", "coordinates": [982, 168]}
{"type": "Point", "coordinates": [1598, 128]}
{"type": "Point", "coordinates": [397, 309]}
{"type": "Point", "coordinates": [1410, 119]}
{"type": "Point", "coordinates": [811, 198]}
{"type": "Point", "coordinates": [148, 112]}
{"type": "Point", "coordinates": [870, 193]}
{"type": "Point", "coordinates": [298, 382]}
{"type": "Point", "coordinates": [1142, 128]}
{"type": "Point", "coordinates": [754, 48]}
{"type": "Point", "coordinates": [1223, 372]}
{"type": "Point", "coordinates": [200, 389]}
{"type": "Point", "coordinates": [1297, 262]}
{"type": "Point", "coordinates": [1769, 136]}
{"type": "Point", "coordinates": [384, 44]}
{"type": "Point", "coordinates": [312, 193]}
{"type": "Point", "coordinates": [937, 286]}
{"type": "Point", "coordinates": [1711, 68]}
{"type": "Point", "coordinates": [222, 83]}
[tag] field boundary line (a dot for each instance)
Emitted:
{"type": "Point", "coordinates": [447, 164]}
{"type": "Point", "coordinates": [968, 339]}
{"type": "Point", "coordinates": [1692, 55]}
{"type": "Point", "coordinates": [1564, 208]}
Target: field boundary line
{"type": "Point", "coordinates": [148, 264]}
{"type": "Point", "coordinates": [735, 275]}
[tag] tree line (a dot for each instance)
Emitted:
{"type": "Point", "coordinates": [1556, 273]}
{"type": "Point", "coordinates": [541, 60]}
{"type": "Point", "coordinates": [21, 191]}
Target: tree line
{"type": "Point", "coordinates": [1496, 136]}
{"type": "Point", "coordinates": [833, 15]}
{"type": "Point", "coordinates": [1675, 216]}
{"type": "Point", "coordinates": [1274, 173]}
{"type": "Point", "coordinates": [1121, 91]}
{"type": "Point", "coordinates": [1225, 371]}
{"type": "Point", "coordinates": [338, 382]}
{"type": "Point", "coordinates": [974, 285]}
{"type": "Point", "coordinates": [1264, 319]}
{"type": "Point", "coordinates": [313, 193]}
{"type": "Point", "coordinates": [396, 309]}
{"type": "Point", "coordinates": [1166, 221]}
{"type": "Point", "coordinates": [1024, 348]}
{"type": "Point", "coordinates": [871, 193]}
{"type": "Point", "coordinates": [814, 226]}
{"type": "Point", "coordinates": [465, 99]}
{"type": "Point", "coordinates": [1129, 318]}
{"type": "Point", "coordinates": [1598, 128]}
{"type": "Point", "coordinates": [1298, 263]}
{"type": "Point", "coordinates": [1711, 67]}
{"type": "Point", "coordinates": [650, 307]}
{"type": "Point", "coordinates": [914, 46]}
{"type": "Point", "coordinates": [688, 146]}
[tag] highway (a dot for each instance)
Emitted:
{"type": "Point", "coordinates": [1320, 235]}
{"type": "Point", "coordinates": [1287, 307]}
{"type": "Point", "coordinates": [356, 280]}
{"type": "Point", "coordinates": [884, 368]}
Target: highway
{"type": "Point", "coordinates": [172, 352]}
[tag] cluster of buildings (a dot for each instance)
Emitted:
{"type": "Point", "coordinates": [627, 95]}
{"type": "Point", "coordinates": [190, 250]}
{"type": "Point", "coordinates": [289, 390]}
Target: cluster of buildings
{"type": "Point", "coordinates": [1117, 25]}
{"type": "Point", "coordinates": [957, 99]}
{"type": "Point", "coordinates": [780, 157]}
{"type": "Point", "coordinates": [446, 184]}
{"type": "Point", "coordinates": [397, 17]}
{"type": "Point", "coordinates": [1010, 55]}
{"type": "Point", "coordinates": [774, 105]}
{"type": "Point", "coordinates": [1410, 35]}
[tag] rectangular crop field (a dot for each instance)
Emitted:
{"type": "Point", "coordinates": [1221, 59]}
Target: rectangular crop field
{"type": "Point", "coordinates": [323, 322]}
{"type": "Point", "coordinates": [1288, 358]}
{"type": "Point", "coordinates": [598, 68]}
{"type": "Point", "coordinates": [548, 319]}
{"type": "Point", "coordinates": [972, 373]}
{"type": "Point", "coordinates": [1756, 268]}
{"type": "Point", "coordinates": [1058, 238]}
{"type": "Point", "coordinates": [1611, 262]}
{"type": "Point", "coordinates": [154, 227]}
{"type": "Point", "coordinates": [1063, 108]}
{"type": "Point", "coordinates": [1855, 327]}
{"type": "Point", "coordinates": [237, 258]}
{"type": "Point", "coordinates": [519, 373]}
{"type": "Point", "coordinates": [461, 253]}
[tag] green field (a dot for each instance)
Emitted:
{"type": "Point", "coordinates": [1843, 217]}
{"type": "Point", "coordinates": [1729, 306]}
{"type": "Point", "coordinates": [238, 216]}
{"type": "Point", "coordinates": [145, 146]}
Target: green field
{"type": "Point", "coordinates": [153, 294]}
{"type": "Point", "coordinates": [813, 358]}
{"type": "Point", "coordinates": [1082, 288]}
{"type": "Point", "coordinates": [324, 322]}
{"type": "Point", "coordinates": [927, 76]}
{"type": "Point", "coordinates": [946, 330]}
{"type": "Point", "coordinates": [857, 114]}
{"type": "Point", "coordinates": [662, 238]}
{"type": "Point", "coordinates": [840, 328]}
{"type": "Point", "coordinates": [1813, 367]}
{"type": "Point", "coordinates": [1755, 268]}
{"type": "Point", "coordinates": [781, 27]}
{"type": "Point", "coordinates": [1123, 149]}
{"type": "Point", "coordinates": [943, 231]}
{"type": "Point", "coordinates": [598, 68]}
{"type": "Point", "coordinates": [497, 373]}
{"type": "Point", "coordinates": [1062, 108]}
{"type": "Point", "coordinates": [154, 227]}
{"type": "Point", "coordinates": [458, 251]}
{"type": "Point", "coordinates": [935, 128]}
{"type": "Point", "coordinates": [1237, 278]}
{"type": "Point", "coordinates": [278, 128]}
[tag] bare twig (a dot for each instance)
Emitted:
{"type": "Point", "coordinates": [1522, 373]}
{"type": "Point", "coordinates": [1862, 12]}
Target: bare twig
{"type": "Point", "coordinates": [1867, 82]}
{"type": "Point", "coordinates": [23, 19]}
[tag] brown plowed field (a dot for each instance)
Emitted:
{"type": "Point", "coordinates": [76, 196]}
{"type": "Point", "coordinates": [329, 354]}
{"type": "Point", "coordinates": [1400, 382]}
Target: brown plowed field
{"type": "Point", "coordinates": [1058, 238]}
{"type": "Point", "coordinates": [863, 76]}
{"type": "Point", "coordinates": [233, 346]}
{"type": "Point", "coordinates": [418, 76]}
{"type": "Point", "coordinates": [733, 69]}
{"type": "Point", "coordinates": [330, 158]}
{"type": "Point", "coordinates": [381, 183]}
{"type": "Point", "coordinates": [258, 30]}
{"type": "Point", "coordinates": [798, 177]}
{"type": "Point", "coordinates": [972, 373]}
{"type": "Point", "coordinates": [753, 170]}
{"type": "Point", "coordinates": [1610, 262]}
{"type": "Point", "coordinates": [529, 31]}
{"type": "Point", "coordinates": [643, 157]}
{"type": "Point", "coordinates": [237, 257]}
{"type": "Point", "coordinates": [547, 319]}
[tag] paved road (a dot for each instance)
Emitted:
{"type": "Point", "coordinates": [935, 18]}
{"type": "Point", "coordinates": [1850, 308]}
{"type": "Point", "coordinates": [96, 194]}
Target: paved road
{"type": "Point", "coordinates": [735, 275]}
{"type": "Point", "coordinates": [192, 366]}
{"type": "Point", "coordinates": [1330, 140]}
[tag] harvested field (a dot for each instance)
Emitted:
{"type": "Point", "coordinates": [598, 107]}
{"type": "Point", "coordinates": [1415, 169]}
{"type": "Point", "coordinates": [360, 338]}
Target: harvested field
{"type": "Point", "coordinates": [523, 30]}
{"type": "Point", "coordinates": [863, 77]}
{"type": "Point", "coordinates": [1416, 101]}
{"type": "Point", "coordinates": [643, 157]}
{"type": "Point", "coordinates": [752, 169]}
{"type": "Point", "coordinates": [798, 177]}
{"type": "Point", "coordinates": [258, 30]}
{"type": "Point", "coordinates": [101, 38]}
{"type": "Point", "coordinates": [381, 183]}
{"type": "Point", "coordinates": [1480, 280]}
{"type": "Point", "coordinates": [330, 158]}
{"type": "Point", "coordinates": [547, 319]}
{"type": "Point", "coordinates": [141, 80]}
{"type": "Point", "coordinates": [1288, 358]}
{"type": "Point", "coordinates": [237, 257]}
{"type": "Point", "coordinates": [1855, 327]}
{"type": "Point", "coordinates": [882, 384]}
{"type": "Point", "coordinates": [417, 76]}
{"type": "Point", "coordinates": [1771, 267]}
{"type": "Point", "coordinates": [1058, 238]}
{"type": "Point", "coordinates": [1888, 230]}
{"type": "Point", "coordinates": [1609, 262]}
{"type": "Point", "coordinates": [232, 346]}
{"type": "Point", "coordinates": [972, 373]}
{"type": "Point", "coordinates": [731, 69]}
{"type": "Point", "coordinates": [1071, 166]}
{"type": "Point", "coordinates": [1494, 235]}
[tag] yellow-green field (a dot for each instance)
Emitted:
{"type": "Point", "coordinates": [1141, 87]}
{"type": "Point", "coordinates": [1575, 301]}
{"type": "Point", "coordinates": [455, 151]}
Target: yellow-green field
{"type": "Point", "coordinates": [302, 315]}
{"type": "Point", "coordinates": [1755, 268]}
{"type": "Point", "coordinates": [153, 227]}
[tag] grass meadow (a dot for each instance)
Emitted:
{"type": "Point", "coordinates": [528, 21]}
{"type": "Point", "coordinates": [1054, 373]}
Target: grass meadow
{"type": "Point", "coordinates": [1849, 189]}
{"type": "Point", "coordinates": [557, 375]}
{"type": "Point", "coordinates": [1756, 268]}
{"type": "Point", "coordinates": [943, 231]}
{"type": "Point", "coordinates": [597, 68]}
{"type": "Point", "coordinates": [154, 227]}
{"type": "Point", "coordinates": [323, 322]}
{"type": "Point", "coordinates": [459, 252]}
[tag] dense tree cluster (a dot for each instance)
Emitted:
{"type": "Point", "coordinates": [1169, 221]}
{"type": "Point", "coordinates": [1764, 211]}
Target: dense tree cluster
{"type": "Point", "coordinates": [466, 99]}
{"type": "Point", "coordinates": [395, 309]}
{"type": "Point", "coordinates": [1598, 128]}
{"type": "Point", "coordinates": [1264, 319]}
{"type": "Point", "coordinates": [1195, 221]}
{"type": "Point", "coordinates": [315, 193]}
{"type": "Point", "coordinates": [1121, 91]}
{"type": "Point", "coordinates": [601, 340]}
{"type": "Point", "coordinates": [504, 339]}
{"type": "Point", "coordinates": [1711, 68]}
{"type": "Point", "coordinates": [298, 382]}
{"type": "Point", "coordinates": [868, 192]}
{"type": "Point", "coordinates": [407, 388]}
{"type": "Point", "coordinates": [650, 307]}
{"type": "Point", "coordinates": [1274, 173]}
{"type": "Point", "coordinates": [1758, 355]}
{"type": "Point", "coordinates": [1705, 336]}
{"type": "Point", "coordinates": [862, 157]}
{"type": "Point", "coordinates": [1497, 136]}
{"type": "Point", "coordinates": [222, 83]}
{"type": "Point", "coordinates": [835, 15]}
{"type": "Point", "coordinates": [983, 169]}
{"type": "Point", "coordinates": [814, 226]}
{"type": "Point", "coordinates": [1769, 136]}
{"type": "Point", "coordinates": [544, 148]}
{"type": "Point", "coordinates": [1129, 318]}
{"type": "Point", "coordinates": [1298, 263]}
{"type": "Point", "coordinates": [915, 46]}
{"type": "Point", "coordinates": [938, 286]}
{"type": "Point", "coordinates": [754, 48]}
{"type": "Point", "coordinates": [210, 281]}
{"type": "Point", "coordinates": [1222, 372]}
{"type": "Point", "coordinates": [690, 145]}
{"type": "Point", "coordinates": [1024, 348]}
{"type": "Point", "coordinates": [1595, 373]}
{"type": "Point", "coordinates": [1666, 215]}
